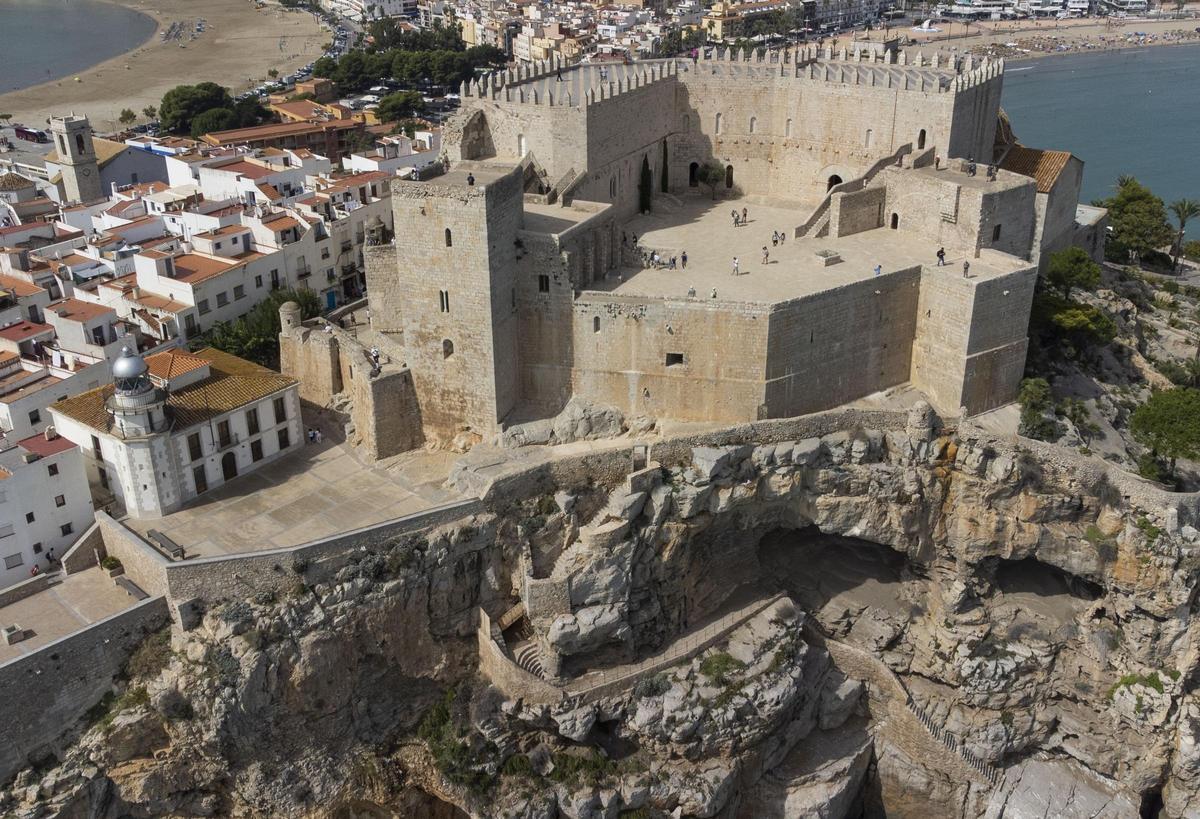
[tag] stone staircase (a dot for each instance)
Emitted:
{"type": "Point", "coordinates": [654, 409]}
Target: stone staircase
{"type": "Point", "coordinates": [908, 725]}
{"type": "Point", "coordinates": [528, 658]}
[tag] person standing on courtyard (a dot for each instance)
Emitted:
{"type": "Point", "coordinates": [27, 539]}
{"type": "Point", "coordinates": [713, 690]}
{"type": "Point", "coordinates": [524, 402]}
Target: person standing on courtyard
{"type": "Point", "coordinates": [878, 269]}
{"type": "Point", "coordinates": [766, 255]}
{"type": "Point", "coordinates": [735, 266]}
{"type": "Point", "coordinates": [774, 238]}
{"type": "Point", "coordinates": [683, 259]}
{"type": "Point", "coordinates": [966, 270]}
{"type": "Point", "coordinates": [745, 216]}
{"type": "Point", "coordinates": [941, 257]}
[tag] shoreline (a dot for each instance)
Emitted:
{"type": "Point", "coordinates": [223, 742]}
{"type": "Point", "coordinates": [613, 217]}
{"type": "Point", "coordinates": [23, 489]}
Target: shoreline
{"type": "Point", "coordinates": [1036, 40]}
{"type": "Point", "coordinates": [1028, 60]}
{"type": "Point", "coordinates": [234, 51]}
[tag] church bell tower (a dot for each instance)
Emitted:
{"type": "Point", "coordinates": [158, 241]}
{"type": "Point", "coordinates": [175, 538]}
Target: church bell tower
{"type": "Point", "coordinates": [77, 155]}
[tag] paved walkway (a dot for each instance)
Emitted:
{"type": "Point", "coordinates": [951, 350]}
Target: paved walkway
{"type": "Point", "coordinates": [602, 683]}
{"type": "Point", "coordinates": [318, 491]}
{"type": "Point", "coordinates": [65, 607]}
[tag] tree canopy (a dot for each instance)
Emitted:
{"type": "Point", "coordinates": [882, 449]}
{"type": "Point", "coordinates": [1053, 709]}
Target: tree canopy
{"type": "Point", "coordinates": [435, 55]}
{"type": "Point", "coordinates": [1169, 423]}
{"type": "Point", "coordinates": [1070, 268]}
{"type": "Point", "coordinates": [398, 106]}
{"type": "Point", "coordinates": [1138, 220]}
{"type": "Point", "coordinates": [255, 336]}
{"type": "Point", "coordinates": [183, 103]}
{"type": "Point", "coordinates": [214, 119]}
{"type": "Point", "coordinates": [710, 174]}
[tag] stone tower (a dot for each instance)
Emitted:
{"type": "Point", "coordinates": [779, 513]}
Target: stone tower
{"type": "Point", "coordinates": [77, 155]}
{"type": "Point", "coordinates": [457, 279]}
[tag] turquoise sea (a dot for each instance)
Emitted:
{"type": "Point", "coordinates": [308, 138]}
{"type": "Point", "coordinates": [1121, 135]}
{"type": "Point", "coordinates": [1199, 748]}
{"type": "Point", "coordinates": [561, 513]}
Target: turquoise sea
{"type": "Point", "coordinates": [44, 40]}
{"type": "Point", "coordinates": [1126, 112]}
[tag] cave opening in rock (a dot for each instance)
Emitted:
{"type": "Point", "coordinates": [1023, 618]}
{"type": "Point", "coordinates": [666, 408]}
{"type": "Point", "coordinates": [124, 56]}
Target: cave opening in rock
{"type": "Point", "coordinates": [606, 734]}
{"type": "Point", "coordinates": [817, 569]}
{"type": "Point", "coordinates": [1152, 804]}
{"type": "Point", "coordinates": [1032, 589]}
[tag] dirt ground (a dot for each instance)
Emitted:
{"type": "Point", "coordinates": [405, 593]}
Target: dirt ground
{"type": "Point", "coordinates": [240, 44]}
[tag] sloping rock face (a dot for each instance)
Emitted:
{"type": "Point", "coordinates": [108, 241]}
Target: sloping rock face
{"type": "Point", "coordinates": [1036, 612]}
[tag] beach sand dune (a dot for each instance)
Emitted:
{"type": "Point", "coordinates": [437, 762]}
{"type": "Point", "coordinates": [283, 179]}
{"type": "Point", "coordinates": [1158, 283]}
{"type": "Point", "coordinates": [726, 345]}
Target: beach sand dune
{"type": "Point", "coordinates": [240, 45]}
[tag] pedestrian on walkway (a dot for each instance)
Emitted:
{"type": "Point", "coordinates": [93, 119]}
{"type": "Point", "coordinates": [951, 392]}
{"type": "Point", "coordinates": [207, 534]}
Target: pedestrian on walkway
{"type": "Point", "coordinates": [766, 255]}
{"type": "Point", "coordinates": [774, 238]}
{"type": "Point", "coordinates": [745, 216]}
{"type": "Point", "coordinates": [941, 257]}
{"type": "Point", "coordinates": [692, 292]}
{"type": "Point", "coordinates": [878, 269]}
{"type": "Point", "coordinates": [672, 262]}
{"type": "Point", "coordinates": [713, 294]}
{"type": "Point", "coordinates": [782, 236]}
{"type": "Point", "coordinates": [734, 214]}
{"type": "Point", "coordinates": [966, 270]}
{"type": "Point", "coordinates": [736, 272]}
{"type": "Point", "coordinates": [683, 259]}
{"type": "Point", "coordinates": [318, 437]}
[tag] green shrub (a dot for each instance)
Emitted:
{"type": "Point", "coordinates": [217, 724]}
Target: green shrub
{"type": "Point", "coordinates": [109, 563]}
{"type": "Point", "coordinates": [717, 667]}
{"type": "Point", "coordinates": [652, 686]}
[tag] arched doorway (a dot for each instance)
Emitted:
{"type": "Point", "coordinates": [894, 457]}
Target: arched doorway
{"type": "Point", "coordinates": [229, 466]}
{"type": "Point", "coordinates": [833, 180]}
{"type": "Point", "coordinates": [895, 221]}
{"type": "Point", "coordinates": [693, 169]}
{"type": "Point", "coordinates": [921, 139]}
{"type": "Point", "coordinates": [729, 176]}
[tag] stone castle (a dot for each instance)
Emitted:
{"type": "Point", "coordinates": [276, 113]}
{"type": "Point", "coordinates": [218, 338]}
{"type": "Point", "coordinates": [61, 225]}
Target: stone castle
{"type": "Point", "coordinates": [525, 275]}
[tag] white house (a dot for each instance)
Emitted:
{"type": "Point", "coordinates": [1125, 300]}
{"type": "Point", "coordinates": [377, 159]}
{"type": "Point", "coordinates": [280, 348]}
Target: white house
{"type": "Point", "coordinates": [175, 425]}
{"type": "Point", "coordinates": [45, 503]}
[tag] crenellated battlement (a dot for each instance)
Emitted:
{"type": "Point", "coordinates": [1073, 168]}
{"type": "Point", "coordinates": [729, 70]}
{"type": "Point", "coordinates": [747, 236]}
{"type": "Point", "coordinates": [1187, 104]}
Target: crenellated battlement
{"type": "Point", "coordinates": [557, 83]}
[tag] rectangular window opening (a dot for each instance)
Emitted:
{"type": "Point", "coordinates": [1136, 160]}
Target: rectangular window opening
{"type": "Point", "coordinates": [674, 359]}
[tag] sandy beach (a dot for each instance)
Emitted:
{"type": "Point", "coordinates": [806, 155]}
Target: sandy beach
{"type": "Point", "coordinates": [1031, 39]}
{"type": "Point", "coordinates": [237, 49]}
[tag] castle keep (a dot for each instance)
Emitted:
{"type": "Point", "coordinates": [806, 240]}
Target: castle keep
{"type": "Point", "coordinates": [520, 277]}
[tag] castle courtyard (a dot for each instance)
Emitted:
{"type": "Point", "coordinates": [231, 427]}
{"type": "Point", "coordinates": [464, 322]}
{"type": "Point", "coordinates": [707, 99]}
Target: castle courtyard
{"type": "Point", "coordinates": [704, 228]}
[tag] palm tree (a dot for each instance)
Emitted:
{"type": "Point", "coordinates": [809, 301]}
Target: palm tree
{"type": "Point", "coordinates": [1184, 209]}
{"type": "Point", "coordinates": [1124, 179]}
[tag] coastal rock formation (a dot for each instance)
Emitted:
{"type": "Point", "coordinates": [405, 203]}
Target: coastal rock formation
{"type": "Point", "coordinates": [906, 619]}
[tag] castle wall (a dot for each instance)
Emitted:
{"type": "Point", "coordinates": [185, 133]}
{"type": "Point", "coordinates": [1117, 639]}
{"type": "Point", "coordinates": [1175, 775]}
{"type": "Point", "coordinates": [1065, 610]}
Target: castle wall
{"type": "Point", "coordinates": [722, 346]}
{"type": "Point", "coordinates": [387, 301]}
{"type": "Point", "coordinates": [841, 344]}
{"type": "Point", "coordinates": [851, 213]}
{"type": "Point", "coordinates": [946, 211]}
{"type": "Point", "coordinates": [971, 338]}
{"type": "Point", "coordinates": [805, 129]}
{"type": "Point", "coordinates": [311, 357]}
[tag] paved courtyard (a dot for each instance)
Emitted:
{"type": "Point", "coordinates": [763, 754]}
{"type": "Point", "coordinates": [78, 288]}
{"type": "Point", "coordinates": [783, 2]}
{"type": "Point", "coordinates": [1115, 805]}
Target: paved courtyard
{"type": "Point", "coordinates": [318, 491]}
{"type": "Point", "coordinates": [704, 228]}
{"type": "Point", "coordinates": [66, 606]}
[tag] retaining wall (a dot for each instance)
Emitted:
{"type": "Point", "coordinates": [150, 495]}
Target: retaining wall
{"type": "Point", "coordinates": [144, 565]}
{"type": "Point", "coordinates": [83, 554]}
{"type": "Point", "coordinates": [43, 694]}
{"type": "Point", "coordinates": [19, 591]}
{"type": "Point", "coordinates": [514, 681]}
{"type": "Point", "coordinates": [209, 580]}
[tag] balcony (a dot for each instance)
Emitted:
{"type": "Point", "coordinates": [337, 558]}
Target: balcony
{"type": "Point", "coordinates": [346, 245]}
{"type": "Point", "coordinates": [303, 273]}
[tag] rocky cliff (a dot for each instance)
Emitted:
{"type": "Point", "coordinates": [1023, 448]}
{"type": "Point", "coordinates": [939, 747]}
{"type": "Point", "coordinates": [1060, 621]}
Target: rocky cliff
{"type": "Point", "coordinates": [955, 625]}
